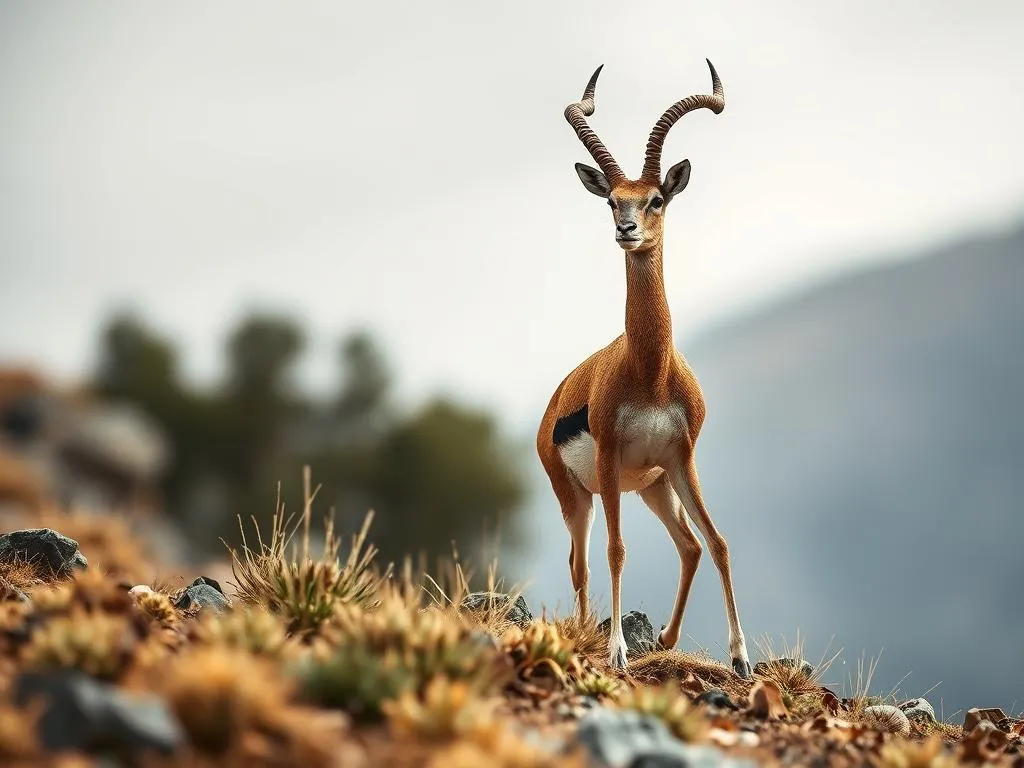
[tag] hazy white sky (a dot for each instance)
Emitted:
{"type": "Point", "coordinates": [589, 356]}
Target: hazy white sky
{"type": "Point", "coordinates": [407, 166]}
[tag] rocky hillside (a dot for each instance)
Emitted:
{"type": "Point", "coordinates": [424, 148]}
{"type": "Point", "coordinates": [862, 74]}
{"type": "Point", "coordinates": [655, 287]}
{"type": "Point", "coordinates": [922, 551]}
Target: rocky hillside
{"type": "Point", "coordinates": [308, 660]}
{"type": "Point", "coordinates": [864, 455]}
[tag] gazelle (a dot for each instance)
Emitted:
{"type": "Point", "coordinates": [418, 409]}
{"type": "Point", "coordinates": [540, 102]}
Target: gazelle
{"type": "Point", "coordinates": [627, 418]}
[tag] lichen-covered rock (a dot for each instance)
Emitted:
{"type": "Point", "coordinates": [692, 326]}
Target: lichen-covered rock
{"type": "Point", "coordinates": [47, 549]}
{"type": "Point", "coordinates": [626, 738]}
{"type": "Point", "coordinates": [762, 667]}
{"type": "Point", "coordinates": [637, 630]}
{"type": "Point", "coordinates": [918, 710]}
{"type": "Point", "coordinates": [886, 717]}
{"type": "Point", "coordinates": [518, 612]}
{"type": "Point", "coordinates": [203, 593]}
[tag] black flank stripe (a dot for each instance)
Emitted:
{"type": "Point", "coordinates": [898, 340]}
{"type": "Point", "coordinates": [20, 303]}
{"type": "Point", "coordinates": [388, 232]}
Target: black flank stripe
{"type": "Point", "coordinates": [568, 427]}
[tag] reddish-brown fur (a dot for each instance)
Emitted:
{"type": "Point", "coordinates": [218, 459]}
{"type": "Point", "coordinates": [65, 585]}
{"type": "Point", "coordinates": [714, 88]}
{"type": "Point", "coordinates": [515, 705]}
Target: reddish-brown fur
{"type": "Point", "coordinates": [641, 369]}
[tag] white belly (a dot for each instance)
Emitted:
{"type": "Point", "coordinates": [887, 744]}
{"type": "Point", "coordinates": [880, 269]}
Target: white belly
{"type": "Point", "coordinates": [649, 439]}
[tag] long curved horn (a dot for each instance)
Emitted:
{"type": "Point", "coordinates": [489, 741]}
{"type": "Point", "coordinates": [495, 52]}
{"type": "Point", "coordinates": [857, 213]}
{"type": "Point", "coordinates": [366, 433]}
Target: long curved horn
{"type": "Point", "coordinates": [576, 114]}
{"type": "Point", "coordinates": [715, 102]}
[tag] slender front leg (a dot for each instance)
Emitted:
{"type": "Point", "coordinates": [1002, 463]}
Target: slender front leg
{"type": "Point", "coordinates": [687, 486]}
{"type": "Point", "coordinates": [664, 503]}
{"type": "Point", "coordinates": [608, 483]}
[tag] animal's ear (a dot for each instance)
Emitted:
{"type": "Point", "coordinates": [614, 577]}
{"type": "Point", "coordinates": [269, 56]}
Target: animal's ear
{"type": "Point", "coordinates": [676, 179]}
{"type": "Point", "coordinates": [593, 180]}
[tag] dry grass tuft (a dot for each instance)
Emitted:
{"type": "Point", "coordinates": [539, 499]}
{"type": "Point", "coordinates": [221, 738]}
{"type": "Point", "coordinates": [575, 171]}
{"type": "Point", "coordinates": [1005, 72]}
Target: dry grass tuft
{"type": "Point", "coordinates": [670, 705]}
{"type": "Point", "coordinates": [901, 753]}
{"type": "Point", "coordinates": [89, 590]}
{"type": "Point", "coordinates": [98, 644]}
{"type": "Point", "coordinates": [588, 641]}
{"type": "Point", "coordinates": [447, 709]}
{"type": "Point", "coordinates": [665, 666]}
{"type": "Point", "coordinates": [18, 734]}
{"type": "Point", "coordinates": [239, 709]}
{"type": "Point", "coordinates": [159, 607]}
{"type": "Point", "coordinates": [18, 576]}
{"type": "Point", "coordinates": [450, 584]}
{"type": "Point", "coordinates": [793, 681]}
{"type": "Point", "coordinates": [249, 629]}
{"type": "Point", "coordinates": [303, 589]}
{"type": "Point", "coordinates": [498, 745]}
{"type": "Point", "coordinates": [599, 686]}
{"type": "Point", "coordinates": [539, 650]}
{"type": "Point", "coordinates": [368, 656]}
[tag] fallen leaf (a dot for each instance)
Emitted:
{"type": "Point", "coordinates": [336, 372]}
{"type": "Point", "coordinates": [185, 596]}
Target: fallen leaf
{"type": "Point", "coordinates": [976, 715]}
{"type": "Point", "coordinates": [766, 701]}
{"type": "Point", "coordinates": [984, 744]}
{"type": "Point", "coordinates": [830, 702]}
{"type": "Point", "coordinates": [691, 686]}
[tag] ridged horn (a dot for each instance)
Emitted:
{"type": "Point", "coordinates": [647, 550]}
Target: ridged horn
{"type": "Point", "coordinates": [714, 102]}
{"type": "Point", "coordinates": [576, 114]}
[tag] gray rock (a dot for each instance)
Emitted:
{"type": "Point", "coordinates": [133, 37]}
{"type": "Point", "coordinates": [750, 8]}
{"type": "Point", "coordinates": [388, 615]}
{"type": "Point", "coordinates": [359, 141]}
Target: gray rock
{"type": "Point", "coordinates": [484, 639]}
{"type": "Point", "coordinates": [638, 631]}
{"type": "Point", "coordinates": [518, 612]}
{"type": "Point", "coordinates": [762, 667]}
{"type": "Point", "coordinates": [918, 710]}
{"type": "Point", "coordinates": [628, 739]}
{"type": "Point", "coordinates": [44, 546]}
{"type": "Point", "coordinates": [84, 714]}
{"type": "Point", "coordinates": [204, 593]}
{"type": "Point", "coordinates": [716, 697]}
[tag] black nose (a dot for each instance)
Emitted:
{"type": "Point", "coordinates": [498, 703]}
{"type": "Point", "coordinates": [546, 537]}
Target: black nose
{"type": "Point", "coordinates": [626, 228]}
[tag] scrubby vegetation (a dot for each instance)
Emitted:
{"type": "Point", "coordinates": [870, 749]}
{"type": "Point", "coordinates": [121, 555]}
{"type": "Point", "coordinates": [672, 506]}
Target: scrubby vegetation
{"type": "Point", "coordinates": [326, 657]}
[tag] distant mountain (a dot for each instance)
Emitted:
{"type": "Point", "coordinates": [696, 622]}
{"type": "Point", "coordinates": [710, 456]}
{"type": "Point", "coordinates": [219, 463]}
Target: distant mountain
{"type": "Point", "coordinates": [864, 455]}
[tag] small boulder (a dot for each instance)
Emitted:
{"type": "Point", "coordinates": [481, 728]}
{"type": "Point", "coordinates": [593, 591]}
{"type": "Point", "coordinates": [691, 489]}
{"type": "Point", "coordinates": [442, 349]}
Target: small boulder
{"type": "Point", "coordinates": [84, 714]}
{"type": "Point", "coordinates": [888, 718]}
{"type": "Point", "coordinates": [518, 612]}
{"type": "Point", "coordinates": [918, 710]}
{"type": "Point", "coordinates": [52, 551]}
{"type": "Point", "coordinates": [762, 667]}
{"type": "Point", "coordinates": [638, 631]}
{"type": "Point", "coordinates": [203, 593]}
{"type": "Point", "coordinates": [716, 697]}
{"type": "Point", "coordinates": [628, 739]}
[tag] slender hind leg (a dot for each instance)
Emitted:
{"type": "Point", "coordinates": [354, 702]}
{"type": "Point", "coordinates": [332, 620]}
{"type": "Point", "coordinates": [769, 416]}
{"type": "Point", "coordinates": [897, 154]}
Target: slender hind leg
{"type": "Point", "coordinates": [665, 504]}
{"type": "Point", "coordinates": [687, 487]}
{"type": "Point", "coordinates": [578, 513]}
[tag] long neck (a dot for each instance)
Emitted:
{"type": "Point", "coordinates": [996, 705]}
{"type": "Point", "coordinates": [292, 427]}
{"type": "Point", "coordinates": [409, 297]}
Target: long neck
{"type": "Point", "coordinates": [648, 321]}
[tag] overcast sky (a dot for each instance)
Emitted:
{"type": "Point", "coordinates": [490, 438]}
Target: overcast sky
{"type": "Point", "coordinates": [408, 167]}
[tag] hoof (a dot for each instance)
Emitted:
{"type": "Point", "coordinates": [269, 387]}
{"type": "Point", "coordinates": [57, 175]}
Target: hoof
{"type": "Point", "coordinates": [742, 668]}
{"type": "Point", "coordinates": [660, 644]}
{"type": "Point", "coordinates": [618, 659]}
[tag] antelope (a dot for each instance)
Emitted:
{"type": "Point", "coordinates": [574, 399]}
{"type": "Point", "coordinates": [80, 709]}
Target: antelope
{"type": "Point", "coordinates": [627, 418]}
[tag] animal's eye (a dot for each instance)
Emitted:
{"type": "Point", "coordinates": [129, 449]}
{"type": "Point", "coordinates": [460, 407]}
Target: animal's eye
{"type": "Point", "coordinates": [657, 202]}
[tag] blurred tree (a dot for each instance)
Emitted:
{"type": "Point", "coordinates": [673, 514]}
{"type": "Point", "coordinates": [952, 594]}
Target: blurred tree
{"type": "Point", "coordinates": [444, 475]}
{"type": "Point", "coordinates": [258, 403]}
{"type": "Point", "coordinates": [365, 385]}
{"type": "Point", "coordinates": [137, 364]}
{"type": "Point", "coordinates": [439, 475]}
